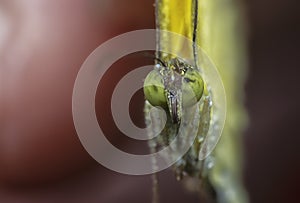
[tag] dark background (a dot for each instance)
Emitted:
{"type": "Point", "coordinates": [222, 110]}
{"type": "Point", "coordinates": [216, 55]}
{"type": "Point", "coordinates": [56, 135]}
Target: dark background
{"type": "Point", "coordinates": [272, 99]}
{"type": "Point", "coordinates": [272, 165]}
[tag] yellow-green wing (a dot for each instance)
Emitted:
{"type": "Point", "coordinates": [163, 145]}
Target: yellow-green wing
{"type": "Point", "coordinates": [175, 16]}
{"type": "Point", "coordinates": [221, 35]}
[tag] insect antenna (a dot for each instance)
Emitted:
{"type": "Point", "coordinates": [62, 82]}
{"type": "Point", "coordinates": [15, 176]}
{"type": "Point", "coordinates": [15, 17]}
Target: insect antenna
{"type": "Point", "coordinates": [195, 29]}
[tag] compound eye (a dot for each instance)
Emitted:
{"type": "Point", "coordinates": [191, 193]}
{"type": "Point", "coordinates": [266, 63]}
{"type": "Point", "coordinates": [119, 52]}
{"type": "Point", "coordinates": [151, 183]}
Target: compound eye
{"type": "Point", "coordinates": [154, 89]}
{"type": "Point", "coordinates": [192, 88]}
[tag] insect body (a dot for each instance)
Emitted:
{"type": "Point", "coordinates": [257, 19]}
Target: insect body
{"type": "Point", "coordinates": [177, 86]}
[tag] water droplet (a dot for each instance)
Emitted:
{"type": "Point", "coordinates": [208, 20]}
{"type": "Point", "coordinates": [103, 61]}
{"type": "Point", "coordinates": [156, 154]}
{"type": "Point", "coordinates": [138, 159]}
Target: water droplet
{"type": "Point", "coordinates": [201, 138]}
{"type": "Point", "coordinates": [210, 165]}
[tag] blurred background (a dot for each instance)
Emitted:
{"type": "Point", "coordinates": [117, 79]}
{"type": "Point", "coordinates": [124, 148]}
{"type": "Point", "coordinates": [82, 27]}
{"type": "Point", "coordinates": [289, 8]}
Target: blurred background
{"type": "Point", "coordinates": [42, 46]}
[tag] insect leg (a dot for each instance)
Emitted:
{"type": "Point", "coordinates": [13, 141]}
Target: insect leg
{"type": "Point", "coordinates": [153, 149]}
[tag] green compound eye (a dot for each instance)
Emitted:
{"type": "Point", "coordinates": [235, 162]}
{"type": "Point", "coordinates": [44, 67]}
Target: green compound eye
{"type": "Point", "coordinates": [192, 87]}
{"type": "Point", "coordinates": [154, 89]}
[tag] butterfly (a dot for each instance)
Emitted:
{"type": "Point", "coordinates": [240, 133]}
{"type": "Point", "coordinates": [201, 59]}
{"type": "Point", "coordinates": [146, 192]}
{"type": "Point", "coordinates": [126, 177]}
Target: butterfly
{"type": "Point", "coordinates": [177, 86]}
